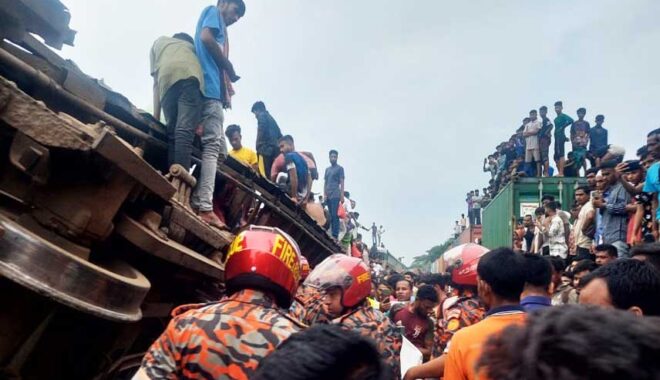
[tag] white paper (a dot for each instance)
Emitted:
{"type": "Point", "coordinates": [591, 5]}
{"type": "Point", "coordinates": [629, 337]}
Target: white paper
{"type": "Point", "coordinates": [411, 356]}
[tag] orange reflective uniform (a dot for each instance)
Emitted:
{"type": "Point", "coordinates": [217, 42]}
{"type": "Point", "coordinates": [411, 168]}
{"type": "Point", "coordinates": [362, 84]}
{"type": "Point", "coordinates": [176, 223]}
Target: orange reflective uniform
{"type": "Point", "coordinates": [223, 340]}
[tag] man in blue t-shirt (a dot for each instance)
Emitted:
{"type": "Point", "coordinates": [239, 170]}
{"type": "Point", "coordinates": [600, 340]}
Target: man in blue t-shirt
{"type": "Point", "coordinates": [300, 179]}
{"type": "Point", "coordinates": [210, 46]}
{"type": "Point", "coordinates": [652, 184]}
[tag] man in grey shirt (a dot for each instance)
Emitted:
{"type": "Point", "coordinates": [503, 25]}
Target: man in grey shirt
{"type": "Point", "coordinates": [333, 191]}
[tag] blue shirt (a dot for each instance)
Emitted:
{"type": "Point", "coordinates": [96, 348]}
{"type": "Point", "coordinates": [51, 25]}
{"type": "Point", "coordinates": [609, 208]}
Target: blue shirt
{"type": "Point", "coordinates": [532, 303]}
{"type": "Point", "coordinates": [597, 138]}
{"type": "Point", "coordinates": [210, 18]}
{"type": "Point", "coordinates": [505, 309]}
{"type": "Point", "coordinates": [295, 159]}
{"type": "Point", "coordinates": [652, 184]}
{"type": "Point", "coordinates": [615, 216]}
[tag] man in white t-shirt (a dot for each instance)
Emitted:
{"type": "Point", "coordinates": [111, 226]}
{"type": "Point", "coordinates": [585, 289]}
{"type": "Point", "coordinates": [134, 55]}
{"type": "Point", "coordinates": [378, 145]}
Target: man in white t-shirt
{"type": "Point", "coordinates": [531, 135]}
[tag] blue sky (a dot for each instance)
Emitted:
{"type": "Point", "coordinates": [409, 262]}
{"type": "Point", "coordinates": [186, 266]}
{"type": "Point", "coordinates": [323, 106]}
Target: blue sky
{"type": "Point", "coordinates": [413, 94]}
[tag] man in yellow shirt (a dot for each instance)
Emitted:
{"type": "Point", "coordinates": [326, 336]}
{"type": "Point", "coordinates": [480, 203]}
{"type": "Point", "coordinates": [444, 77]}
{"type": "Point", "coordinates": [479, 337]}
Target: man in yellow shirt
{"type": "Point", "coordinates": [501, 278]}
{"type": "Point", "coordinates": [245, 155]}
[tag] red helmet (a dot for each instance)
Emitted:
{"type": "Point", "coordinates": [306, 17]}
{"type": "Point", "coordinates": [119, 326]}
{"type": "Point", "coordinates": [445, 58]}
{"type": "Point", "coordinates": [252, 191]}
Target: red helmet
{"type": "Point", "coordinates": [264, 258]}
{"type": "Point", "coordinates": [348, 273]}
{"type": "Point", "coordinates": [304, 268]}
{"type": "Point", "coordinates": [463, 260]}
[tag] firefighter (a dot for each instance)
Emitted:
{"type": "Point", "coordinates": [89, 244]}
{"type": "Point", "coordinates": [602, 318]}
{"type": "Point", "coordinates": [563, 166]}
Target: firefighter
{"type": "Point", "coordinates": [344, 284]}
{"type": "Point", "coordinates": [301, 308]}
{"type": "Point", "coordinates": [228, 339]}
{"type": "Point", "coordinates": [465, 308]}
{"type": "Point", "coordinates": [459, 311]}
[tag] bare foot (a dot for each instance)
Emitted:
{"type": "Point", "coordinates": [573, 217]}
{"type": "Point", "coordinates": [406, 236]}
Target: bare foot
{"type": "Point", "coordinates": [212, 219]}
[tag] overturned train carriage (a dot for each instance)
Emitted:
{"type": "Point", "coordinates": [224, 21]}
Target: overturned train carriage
{"type": "Point", "coordinates": [97, 241]}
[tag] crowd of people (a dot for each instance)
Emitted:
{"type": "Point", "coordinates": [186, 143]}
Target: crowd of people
{"type": "Point", "coordinates": [527, 152]}
{"type": "Point", "coordinates": [501, 314]}
{"type": "Point", "coordinates": [194, 83]}
{"type": "Point", "coordinates": [345, 321]}
{"type": "Point", "coordinates": [616, 209]}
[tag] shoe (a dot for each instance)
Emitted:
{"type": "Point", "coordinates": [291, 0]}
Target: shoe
{"type": "Point", "coordinates": [211, 219]}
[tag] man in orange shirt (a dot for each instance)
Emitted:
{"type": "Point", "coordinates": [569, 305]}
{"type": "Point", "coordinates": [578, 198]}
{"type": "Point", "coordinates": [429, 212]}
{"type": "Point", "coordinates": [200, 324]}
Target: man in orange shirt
{"type": "Point", "coordinates": [501, 278]}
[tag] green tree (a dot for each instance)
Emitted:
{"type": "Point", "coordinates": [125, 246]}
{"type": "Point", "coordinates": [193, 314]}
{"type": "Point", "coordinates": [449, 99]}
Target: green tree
{"type": "Point", "coordinates": [431, 255]}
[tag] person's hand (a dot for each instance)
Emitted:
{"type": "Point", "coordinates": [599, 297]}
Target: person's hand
{"type": "Point", "coordinates": [385, 305]}
{"type": "Point", "coordinates": [410, 374]}
{"type": "Point", "coordinates": [634, 240]}
{"type": "Point", "coordinates": [598, 203]}
{"type": "Point", "coordinates": [620, 171]}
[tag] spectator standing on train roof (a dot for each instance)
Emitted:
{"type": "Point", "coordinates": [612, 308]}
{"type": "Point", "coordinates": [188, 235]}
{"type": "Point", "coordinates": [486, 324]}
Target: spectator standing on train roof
{"type": "Point", "coordinates": [381, 232]}
{"type": "Point", "coordinates": [580, 138]}
{"type": "Point", "coordinates": [476, 207]}
{"type": "Point", "coordinates": [178, 82]}
{"type": "Point", "coordinates": [239, 152]}
{"type": "Point", "coordinates": [598, 142]}
{"type": "Point", "coordinates": [212, 49]}
{"type": "Point", "coordinates": [333, 190]}
{"type": "Point", "coordinates": [531, 134]}
{"type": "Point", "coordinates": [561, 122]}
{"type": "Point", "coordinates": [268, 136]}
{"type": "Point", "coordinates": [545, 139]}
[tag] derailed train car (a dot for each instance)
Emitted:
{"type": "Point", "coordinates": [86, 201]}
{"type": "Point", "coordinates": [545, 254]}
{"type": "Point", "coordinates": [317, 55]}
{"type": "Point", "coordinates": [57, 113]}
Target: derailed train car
{"type": "Point", "coordinates": [97, 241]}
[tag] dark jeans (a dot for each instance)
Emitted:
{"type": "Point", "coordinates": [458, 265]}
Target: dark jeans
{"type": "Point", "coordinates": [182, 107]}
{"type": "Point", "coordinates": [584, 254]}
{"type": "Point", "coordinates": [476, 216]}
{"type": "Point", "coordinates": [268, 163]}
{"type": "Point", "coordinates": [333, 207]}
{"type": "Point", "coordinates": [471, 216]}
{"type": "Point", "coordinates": [545, 251]}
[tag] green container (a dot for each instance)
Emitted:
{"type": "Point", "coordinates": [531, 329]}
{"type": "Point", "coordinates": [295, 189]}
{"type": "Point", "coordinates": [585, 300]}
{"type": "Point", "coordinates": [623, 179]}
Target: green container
{"type": "Point", "coordinates": [521, 198]}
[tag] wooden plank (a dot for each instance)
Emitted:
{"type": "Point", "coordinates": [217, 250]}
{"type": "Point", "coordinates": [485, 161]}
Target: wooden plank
{"type": "Point", "coordinates": [120, 153]}
{"type": "Point", "coordinates": [190, 222]}
{"type": "Point", "coordinates": [168, 250]}
{"type": "Point", "coordinates": [34, 119]}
